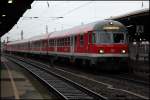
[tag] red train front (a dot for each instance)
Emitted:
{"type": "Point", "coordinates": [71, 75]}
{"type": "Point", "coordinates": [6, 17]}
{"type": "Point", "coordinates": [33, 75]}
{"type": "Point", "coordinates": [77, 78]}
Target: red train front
{"type": "Point", "coordinates": [108, 45]}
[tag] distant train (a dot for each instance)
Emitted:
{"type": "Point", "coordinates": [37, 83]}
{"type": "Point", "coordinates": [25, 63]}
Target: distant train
{"type": "Point", "coordinates": [94, 44]}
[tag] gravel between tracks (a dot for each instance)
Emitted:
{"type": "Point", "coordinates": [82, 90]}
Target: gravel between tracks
{"type": "Point", "coordinates": [105, 90]}
{"type": "Point", "coordinates": [121, 84]}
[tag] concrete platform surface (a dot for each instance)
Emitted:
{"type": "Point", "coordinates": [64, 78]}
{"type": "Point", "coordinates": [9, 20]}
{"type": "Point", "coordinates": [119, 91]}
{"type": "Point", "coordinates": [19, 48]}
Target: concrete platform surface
{"type": "Point", "coordinates": [15, 85]}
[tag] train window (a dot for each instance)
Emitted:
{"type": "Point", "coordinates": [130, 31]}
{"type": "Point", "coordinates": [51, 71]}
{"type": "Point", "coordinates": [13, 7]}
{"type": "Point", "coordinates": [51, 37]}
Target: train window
{"type": "Point", "coordinates": [29, 45]}
{"type": "Point", "coordinates": [103, 37]}
{"type": "Point", "coordinates": [51, 42]}
{"type": "Point", "coordinates": [71, 41]}
{"type": "Point", "coordinates": [65, 41]}
{"type": "Point", "coordinates": [81, 40]}
{"type": "Point", "coordinates": [43, 43]}
{"type": "Point", "coordinates": [68, 41]}
{"type": "Point", "coordinates": [37, 44]}
{"type": "Point", "coordinates": [58, 42]}
{"type": "Point", "coordinates": [75, 40]}
{"type": "Point", "coordinates": [62, 42]}
{"type": "Point", "coordinates": [118, 38]}
{"type": "Point", "coordinates": [93, 38]}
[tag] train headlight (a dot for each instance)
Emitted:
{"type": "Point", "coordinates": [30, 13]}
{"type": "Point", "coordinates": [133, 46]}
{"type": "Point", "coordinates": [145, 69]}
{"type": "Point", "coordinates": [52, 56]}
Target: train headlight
{"type": "Point", "coordinates": [123, 51]}
{"type": "Point", "coordinates": [101, 51]}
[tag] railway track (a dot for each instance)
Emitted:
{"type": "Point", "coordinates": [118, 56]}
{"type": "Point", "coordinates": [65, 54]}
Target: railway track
{"type": "Point", "coordinates": [63, 87]}
{"type": "Point", "coordinates": [120, 76]}
{"type": "Point", "coordinates": [128, 78]}
{"type": "Point", "coordinates": [97, 86]}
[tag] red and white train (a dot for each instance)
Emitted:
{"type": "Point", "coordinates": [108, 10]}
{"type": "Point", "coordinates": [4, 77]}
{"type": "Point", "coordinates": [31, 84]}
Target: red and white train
{"type": "Point", "coordinates": [94, 43]}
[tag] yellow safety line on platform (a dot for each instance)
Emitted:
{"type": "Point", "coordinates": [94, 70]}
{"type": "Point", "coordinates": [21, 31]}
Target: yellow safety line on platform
{"type": "Point", "coordinates": [16, 94]}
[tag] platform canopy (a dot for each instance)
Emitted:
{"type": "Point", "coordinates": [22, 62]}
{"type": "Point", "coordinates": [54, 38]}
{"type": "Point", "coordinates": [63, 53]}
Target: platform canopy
{"type": "Point", "coordinates": [10, 12]}
{"type": "Point", "coordinates": [137, 23]}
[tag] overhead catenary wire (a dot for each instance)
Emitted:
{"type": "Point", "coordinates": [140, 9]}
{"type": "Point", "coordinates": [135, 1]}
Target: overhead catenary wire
{"type": "Point", "coordinates": [28, 27]}
{"type": "Point", "coordinates": [76, 8]}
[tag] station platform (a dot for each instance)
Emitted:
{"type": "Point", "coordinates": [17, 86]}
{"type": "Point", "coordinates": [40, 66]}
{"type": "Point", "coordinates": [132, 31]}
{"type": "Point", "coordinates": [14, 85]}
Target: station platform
{"type": "Point", "coordinates": [15, 85]}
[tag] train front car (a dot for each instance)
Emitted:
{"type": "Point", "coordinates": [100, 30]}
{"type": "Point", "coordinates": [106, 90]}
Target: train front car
{"type": "Point", "coordinates": [109, 45]}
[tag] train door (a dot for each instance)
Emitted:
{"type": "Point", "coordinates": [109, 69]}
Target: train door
{"type": "Point", "coordinates": [75, 43]}
{"type": "Point", "coordinates": [55, 43]}
{"type": "Point", "coordinates": [40, 46]}
{"type": "Point", "coordinates": [91, 42]}
{"type": "Point", "coordinates": [72, 44]}
{"type": "Point", "coordinates": [86, 43]}
{"type": "Point", "coordinates": [83, 43]}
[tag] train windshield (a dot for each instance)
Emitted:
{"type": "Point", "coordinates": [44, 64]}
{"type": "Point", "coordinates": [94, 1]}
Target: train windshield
{"type": "Point", "coordinates": [118, 38]}
{"type": "Point", "coordinates": [108, 37]}
{"type": "Point", "coordinates": [101, 37]}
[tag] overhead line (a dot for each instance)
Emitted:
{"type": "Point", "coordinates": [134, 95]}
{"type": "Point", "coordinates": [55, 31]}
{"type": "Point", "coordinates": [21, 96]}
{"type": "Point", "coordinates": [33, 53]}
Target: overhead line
{"type": "Point", "coordinates": [70, 11]}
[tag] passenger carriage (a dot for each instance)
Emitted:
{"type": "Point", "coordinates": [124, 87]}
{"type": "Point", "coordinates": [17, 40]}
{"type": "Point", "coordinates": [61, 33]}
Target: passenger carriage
{"type": "Point", "coordinates": [94, 43]}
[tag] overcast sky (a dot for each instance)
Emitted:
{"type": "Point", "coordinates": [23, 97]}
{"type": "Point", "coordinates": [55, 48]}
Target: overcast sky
{"type": "Point", "coordinates": [73, 12]}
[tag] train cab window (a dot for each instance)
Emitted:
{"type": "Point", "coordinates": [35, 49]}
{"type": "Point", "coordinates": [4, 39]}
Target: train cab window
{"type": "Point", "coordinates": [118, 38]}
{"type": "Point", "coordinates": [81, 40]}
{"type": "Point", "coordinates": [102, 37]}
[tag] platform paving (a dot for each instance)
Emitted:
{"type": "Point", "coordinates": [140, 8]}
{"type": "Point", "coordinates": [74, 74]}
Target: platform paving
{"type": "Point", "coordinates": [15, 85]}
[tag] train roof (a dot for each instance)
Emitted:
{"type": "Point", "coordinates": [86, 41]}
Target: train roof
{"type": "Point", "coordinates": [98, 25]}
{"type": "Point", "coordinates": [72, 31]}
{"type": "Point", "coordinates": [35, 38]}
{"type": "Point", "coordinates": [18, 41]}
{"type": "Point", "coordinates": [39, 37]}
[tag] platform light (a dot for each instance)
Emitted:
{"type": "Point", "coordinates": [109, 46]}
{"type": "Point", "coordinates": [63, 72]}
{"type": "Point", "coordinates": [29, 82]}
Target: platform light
{"type": "Point", "coordinates": [10, 1]}
{"type": "Point", "coordinates": [3, 15]}
{"type": "Point", "coordinates": [140, 39]}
